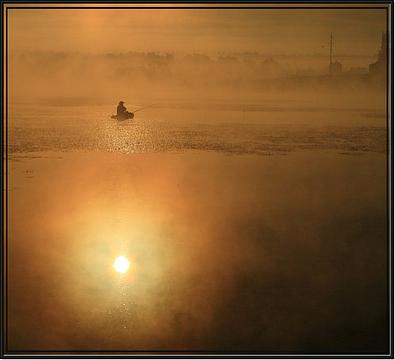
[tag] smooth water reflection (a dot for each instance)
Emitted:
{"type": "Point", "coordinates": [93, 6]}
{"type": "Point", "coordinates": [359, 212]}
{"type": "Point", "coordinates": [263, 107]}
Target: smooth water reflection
{"type": "Point", "coordinates": [226, 252]}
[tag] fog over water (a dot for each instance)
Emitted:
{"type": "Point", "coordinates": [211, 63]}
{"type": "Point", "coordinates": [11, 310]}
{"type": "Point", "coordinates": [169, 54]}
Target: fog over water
{"type": "Point", "coordinates": [248, 193]}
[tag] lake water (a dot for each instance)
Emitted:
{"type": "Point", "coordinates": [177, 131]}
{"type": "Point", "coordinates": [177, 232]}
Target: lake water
{"type": "Point", "coordinates": [228, 128]}
{"type": "Point", "coordinates": [258, 227]}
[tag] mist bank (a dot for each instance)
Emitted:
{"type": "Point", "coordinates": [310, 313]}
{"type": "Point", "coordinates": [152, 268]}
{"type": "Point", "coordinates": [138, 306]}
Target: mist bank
{"type": "Point", "coordinates": [244, 77]}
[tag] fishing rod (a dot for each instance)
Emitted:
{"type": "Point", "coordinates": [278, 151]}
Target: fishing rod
{"type": "Point", "coordinates": [142, 108]}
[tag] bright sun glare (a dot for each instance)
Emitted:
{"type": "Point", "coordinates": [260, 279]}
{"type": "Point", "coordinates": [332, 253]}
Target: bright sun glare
{"type": "Point", "coordinates": [121, 264]}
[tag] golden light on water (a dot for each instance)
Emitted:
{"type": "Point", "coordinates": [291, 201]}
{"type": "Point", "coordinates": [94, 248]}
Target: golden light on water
{"type": "Point", "coordinates": [121, 264]}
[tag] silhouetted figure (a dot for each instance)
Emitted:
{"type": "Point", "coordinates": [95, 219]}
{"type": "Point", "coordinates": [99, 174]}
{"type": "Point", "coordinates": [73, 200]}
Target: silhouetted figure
{"type": "Point", "coordinates": [121, 109]}
{"type": "Point", "coordinates": [122, 112]}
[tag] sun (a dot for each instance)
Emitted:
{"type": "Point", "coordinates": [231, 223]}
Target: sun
{"type": "Point", "coordinates": [121, 264]}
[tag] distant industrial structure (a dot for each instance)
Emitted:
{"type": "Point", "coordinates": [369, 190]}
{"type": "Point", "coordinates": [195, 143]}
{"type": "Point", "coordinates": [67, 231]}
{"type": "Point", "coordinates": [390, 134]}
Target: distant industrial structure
{"type": "Point", "coordinates": [335, 67]}
{"type": "Point", "coordinates": [379, 68]}
{"type": "Point", "coordinates": [374, 74]}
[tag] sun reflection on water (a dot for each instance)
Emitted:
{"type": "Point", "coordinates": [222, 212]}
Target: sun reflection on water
{"type": "Point", "coordinates": [121, 264]}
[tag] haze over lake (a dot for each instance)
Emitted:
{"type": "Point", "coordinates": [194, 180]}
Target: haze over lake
{"type": "Point", "coordinates": [242, 209]}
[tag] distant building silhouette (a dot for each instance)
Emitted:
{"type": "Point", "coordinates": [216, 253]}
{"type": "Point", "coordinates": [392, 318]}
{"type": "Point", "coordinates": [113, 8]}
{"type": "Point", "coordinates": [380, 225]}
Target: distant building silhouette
{"type": "Point", "coordinates": [379, 68]}
{"type": "Point", "coordinates": [335, 68]}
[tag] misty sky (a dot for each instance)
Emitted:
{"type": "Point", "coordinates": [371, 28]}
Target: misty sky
{"type": "Point", "coordinates": [289, 32]}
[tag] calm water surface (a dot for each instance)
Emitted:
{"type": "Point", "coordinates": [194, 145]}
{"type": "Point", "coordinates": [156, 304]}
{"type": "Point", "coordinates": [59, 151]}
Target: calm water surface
{"type": "Point", "coordinates": [230, 249]}
{"type": "Point", "coordinates": [230, 128]}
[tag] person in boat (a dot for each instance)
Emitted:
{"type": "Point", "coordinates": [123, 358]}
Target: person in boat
{"type": "Point", "coordinates": [122, 111]}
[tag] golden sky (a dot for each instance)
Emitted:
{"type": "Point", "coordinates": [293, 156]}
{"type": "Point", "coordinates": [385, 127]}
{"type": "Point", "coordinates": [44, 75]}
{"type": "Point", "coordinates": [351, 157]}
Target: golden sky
{"type": "Point", "coordinates": [357, 32]}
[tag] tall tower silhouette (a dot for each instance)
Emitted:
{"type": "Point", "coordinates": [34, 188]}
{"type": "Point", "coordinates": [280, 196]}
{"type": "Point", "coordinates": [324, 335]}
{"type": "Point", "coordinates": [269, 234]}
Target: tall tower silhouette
{"type": "Point", "coordinates": [335, 67]}
{"type": "Point", "coordinates": [330, 54]}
